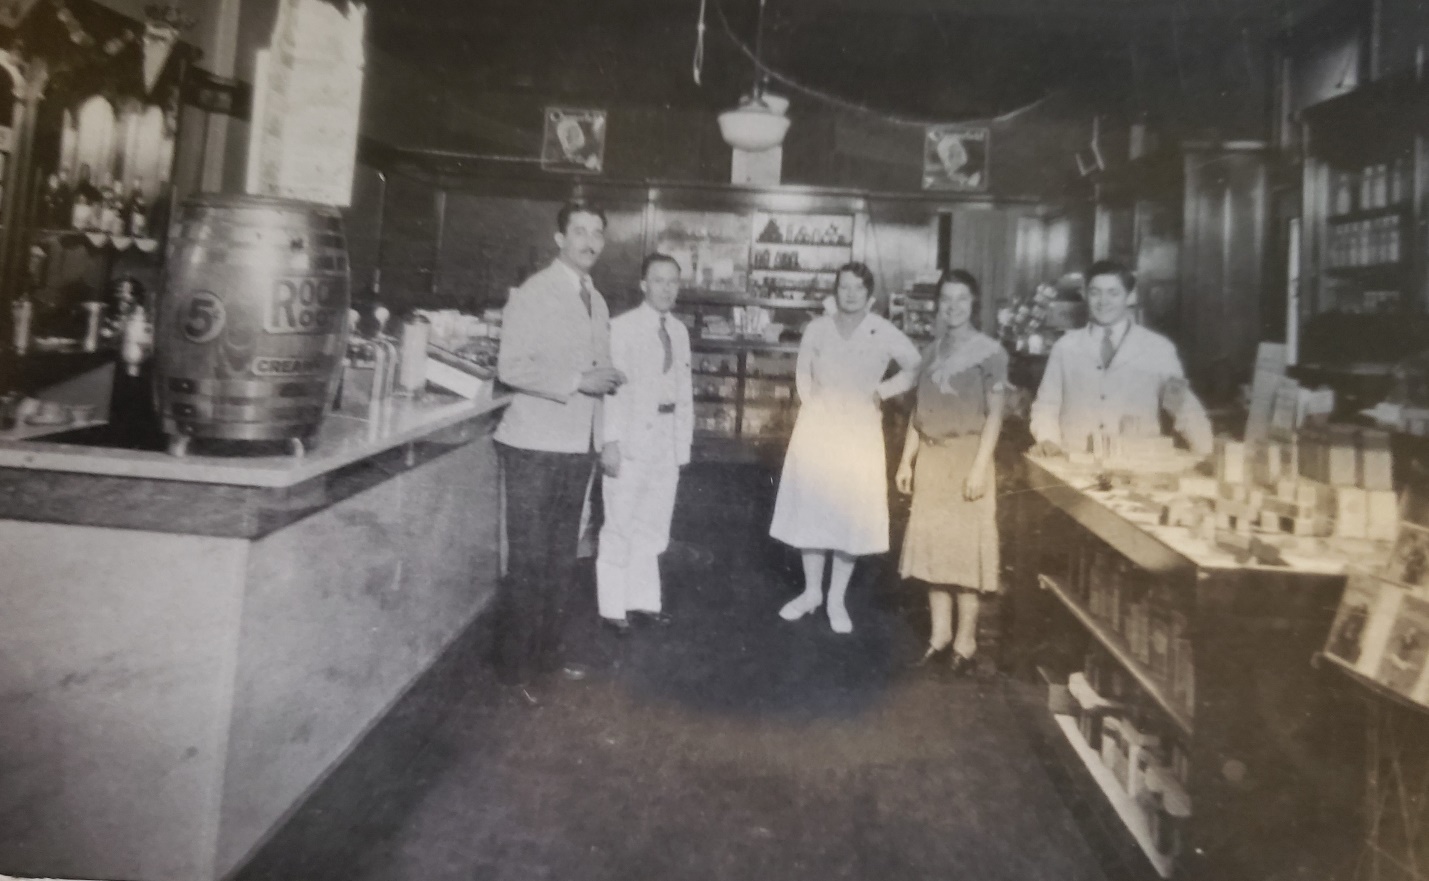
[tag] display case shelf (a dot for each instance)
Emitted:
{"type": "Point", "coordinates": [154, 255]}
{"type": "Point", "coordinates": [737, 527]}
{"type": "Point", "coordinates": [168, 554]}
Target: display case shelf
{"type": "Point", "coordinates": [1396, 210]}
{"type": "Point", "coordinates": [1118, 649]}
{"type": "Point", "coordinates": [1230, 713]}
{"type": "Point", "coordinates": [741, 345]}
{"type": "Point", "coordinates": [720, 298]}
{"type": "Point", "coordinates": [1125, 807]}
{"type": "Point", "coordinates": [1372, 272]}
{"type": "Point", "coordinates": [769, 243]}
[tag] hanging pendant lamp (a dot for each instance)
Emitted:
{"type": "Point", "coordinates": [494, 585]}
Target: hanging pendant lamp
{"type": "Point", "coordinates": [758, 123]}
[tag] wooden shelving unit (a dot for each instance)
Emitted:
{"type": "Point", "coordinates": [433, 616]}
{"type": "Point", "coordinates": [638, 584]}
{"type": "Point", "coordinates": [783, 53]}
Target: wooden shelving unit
{"type": "Point", "coordinates": [1241, 742]}
{"type": "Point", "coordinates": [1363, 256]}
{"type": "Point", "coordinates": [1116, 647]}
{"type": "Point", "coordinates": [1122, 803]}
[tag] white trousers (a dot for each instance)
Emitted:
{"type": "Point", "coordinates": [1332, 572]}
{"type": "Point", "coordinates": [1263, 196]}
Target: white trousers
{"type": "Point", "coordinates": [638, 507]}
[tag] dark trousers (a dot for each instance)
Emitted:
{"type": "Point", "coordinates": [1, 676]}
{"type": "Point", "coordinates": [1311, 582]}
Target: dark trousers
{"type": "Point", "coordinates": [544, 496]}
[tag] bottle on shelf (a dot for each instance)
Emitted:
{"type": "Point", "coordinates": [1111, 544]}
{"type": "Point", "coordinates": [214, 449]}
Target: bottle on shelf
{"type": "Point", "coordinates": [136, 213]}
{"type": "Point", "coordinates": [86, 201]}
{"type": "Point", "coordinates": [49, 202]}
{"type": "Point", "coordinates": [111, 209]}
{"type": "Point", "coordinates": [135, 343]}
{"type": "Point", "coordinates": [61, 202]}
{"type": "Point", "coordinates": [22, 312]}
{"type": "Point", "coordinates": [1398, 180]}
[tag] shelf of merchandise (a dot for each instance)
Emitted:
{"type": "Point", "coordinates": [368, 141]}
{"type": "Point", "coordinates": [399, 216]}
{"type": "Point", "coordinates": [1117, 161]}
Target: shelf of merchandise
{"type": "Point", "coordinates": [1252, 632]}
{"type": "Point", "coordinates": [721, 298]}
{"type": "Point", "coordinates": [761, 243]}
{"type": "Point", "coordinates": [1367, 152]}
{"type": "Point", "coordinates": [1124, 805]}
{"type": "Point", "coordinates": [1117, 648]}
{"type": "Point", "coordinates": [1399, 209]}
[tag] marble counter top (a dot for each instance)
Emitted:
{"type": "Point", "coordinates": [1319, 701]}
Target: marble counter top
{"type": "Point", "coordinates": [342, 441]}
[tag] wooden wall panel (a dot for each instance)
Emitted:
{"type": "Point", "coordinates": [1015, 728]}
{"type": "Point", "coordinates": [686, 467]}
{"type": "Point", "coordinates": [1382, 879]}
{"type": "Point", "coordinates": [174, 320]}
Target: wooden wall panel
{"type": "Point", "coordinates": [1222, 269]}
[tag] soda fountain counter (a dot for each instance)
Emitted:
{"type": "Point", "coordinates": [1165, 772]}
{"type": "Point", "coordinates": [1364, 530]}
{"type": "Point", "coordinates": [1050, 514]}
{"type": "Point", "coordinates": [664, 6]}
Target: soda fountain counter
{"type": "Point", "coordinates": [189, 645]}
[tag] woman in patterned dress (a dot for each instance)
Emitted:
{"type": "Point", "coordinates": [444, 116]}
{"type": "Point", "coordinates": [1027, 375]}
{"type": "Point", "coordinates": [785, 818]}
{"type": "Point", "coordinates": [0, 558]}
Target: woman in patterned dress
{"type": "Point", "coordinates": [951, 541]}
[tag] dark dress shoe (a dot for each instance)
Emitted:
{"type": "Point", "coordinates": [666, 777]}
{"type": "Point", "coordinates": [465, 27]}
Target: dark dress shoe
{"type": "Point", "coordinates": [657, 618]}
{"type": "Point", "coordinates": [934, 656]}
{"type": "Point", "coordinates": [962, 665]}
{"type": "Point", "coordinates": [618, 626]}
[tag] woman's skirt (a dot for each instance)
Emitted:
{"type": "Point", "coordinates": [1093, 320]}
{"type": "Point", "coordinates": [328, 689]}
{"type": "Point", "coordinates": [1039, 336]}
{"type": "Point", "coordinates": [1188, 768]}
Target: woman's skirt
{"type": "Point", "coordinates": [950, 540]}
{"type": "Point", "coordinates": [833, 491]}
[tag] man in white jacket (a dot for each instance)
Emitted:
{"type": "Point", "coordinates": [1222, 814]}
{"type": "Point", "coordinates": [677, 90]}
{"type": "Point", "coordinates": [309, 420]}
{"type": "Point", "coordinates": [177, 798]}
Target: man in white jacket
{"type": "Point", "coordinates": [555, 357]}
{"type": "Point", "coordinates": [1114, 377]}
{"type": "Point", "coordinates": [649, 424]}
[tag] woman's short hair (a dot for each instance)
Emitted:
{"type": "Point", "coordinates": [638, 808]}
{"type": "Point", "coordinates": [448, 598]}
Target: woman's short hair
{"type": "Point", "coordinates": [967, 279]}
{"type": "Point", "coordinates": [962, 277]}
{"type": "Point", "coordinates": [861, 270]}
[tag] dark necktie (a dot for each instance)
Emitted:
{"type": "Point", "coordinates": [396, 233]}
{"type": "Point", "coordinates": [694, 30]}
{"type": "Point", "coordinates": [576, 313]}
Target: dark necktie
{"type": "Point", "coordinates": [585, 292]}
{"type": "Point", "coordinates": [1108, 350]}
{"type": "Point", "coordinates": [665, 342]}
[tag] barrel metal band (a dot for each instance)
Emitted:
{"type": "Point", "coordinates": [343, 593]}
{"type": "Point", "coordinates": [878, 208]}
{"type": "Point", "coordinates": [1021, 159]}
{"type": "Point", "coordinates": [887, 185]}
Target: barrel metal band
{"type": "Point", "coordinates": [207, 410]}
{"type": "Point", "coordinates": [255, 389]}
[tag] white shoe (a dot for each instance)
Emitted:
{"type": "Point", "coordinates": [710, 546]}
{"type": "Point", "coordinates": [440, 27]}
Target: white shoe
{"type": "Point", "coordinates": [800, 606]}
{"type": "Point", "coordinates": [839, 620]}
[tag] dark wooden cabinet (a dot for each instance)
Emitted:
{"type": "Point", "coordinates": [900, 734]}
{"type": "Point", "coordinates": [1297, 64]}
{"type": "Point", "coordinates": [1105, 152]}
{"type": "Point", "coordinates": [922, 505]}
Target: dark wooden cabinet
{"type": "Point", "coordinates": [1364, 288]}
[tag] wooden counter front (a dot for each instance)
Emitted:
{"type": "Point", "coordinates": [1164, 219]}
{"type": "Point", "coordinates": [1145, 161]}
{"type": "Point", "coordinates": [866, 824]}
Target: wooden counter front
{"type": "Point", "coordinates": [188, 647]}
{"type": "Point", "coordinates": [1272, 742]}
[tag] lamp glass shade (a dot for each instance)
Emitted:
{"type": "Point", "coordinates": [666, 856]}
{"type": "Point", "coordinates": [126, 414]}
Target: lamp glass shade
{"type": "Point", "coordinates": [753, 127]}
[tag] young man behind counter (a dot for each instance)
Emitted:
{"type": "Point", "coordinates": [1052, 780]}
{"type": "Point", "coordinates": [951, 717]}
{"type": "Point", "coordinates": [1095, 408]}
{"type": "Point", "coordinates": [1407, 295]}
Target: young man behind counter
{"type": "Point", "coordinates": [1114, 377]}
{"type": "Point", "coordinates": [555, 356]}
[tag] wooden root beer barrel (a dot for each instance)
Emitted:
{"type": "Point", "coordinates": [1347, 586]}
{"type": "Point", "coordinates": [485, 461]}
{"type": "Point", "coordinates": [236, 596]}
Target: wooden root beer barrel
{"type": "Point", "coordinates": [252, 319]}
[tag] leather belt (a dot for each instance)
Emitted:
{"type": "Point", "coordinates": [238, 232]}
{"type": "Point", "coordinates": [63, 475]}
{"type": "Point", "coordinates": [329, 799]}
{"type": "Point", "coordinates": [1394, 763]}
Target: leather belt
{"type": "Point", "coordinates": [665, 408]}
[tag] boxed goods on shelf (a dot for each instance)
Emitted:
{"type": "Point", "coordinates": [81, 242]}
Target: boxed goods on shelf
{"type": "Point", "coordinates": [1091, 709]}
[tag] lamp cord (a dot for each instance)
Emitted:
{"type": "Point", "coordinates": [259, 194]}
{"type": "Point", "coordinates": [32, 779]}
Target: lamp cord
{"type": "Point", "coordinates": [699, 62]}
{"type": "Point", "coordinates": [842, 103]}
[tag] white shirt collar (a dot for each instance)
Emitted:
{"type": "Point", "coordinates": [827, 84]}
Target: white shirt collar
{"type": "Point", "coordinates": [1118, 331]}
{"type": "Point", "coordinates": [574, 273]}
{"type": "Point", "coordinates": [652, 315]}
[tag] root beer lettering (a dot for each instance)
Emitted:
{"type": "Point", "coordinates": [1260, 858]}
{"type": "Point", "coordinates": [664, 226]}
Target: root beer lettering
{"type": "Point", "coordinates": [304, 305]}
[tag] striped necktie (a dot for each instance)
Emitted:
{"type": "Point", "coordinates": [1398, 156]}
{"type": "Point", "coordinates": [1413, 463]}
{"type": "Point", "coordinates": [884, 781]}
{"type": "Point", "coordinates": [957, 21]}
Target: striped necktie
{"type": "Point", "coordinates": [665, 342]}
{"type": "Point", "coordinates": [1108, 350]}
{"type": "Point", "coordinates": [586, 292]}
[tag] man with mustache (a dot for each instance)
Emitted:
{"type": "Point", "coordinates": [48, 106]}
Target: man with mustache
{"type": "Point", "coordinates": [555, 356]}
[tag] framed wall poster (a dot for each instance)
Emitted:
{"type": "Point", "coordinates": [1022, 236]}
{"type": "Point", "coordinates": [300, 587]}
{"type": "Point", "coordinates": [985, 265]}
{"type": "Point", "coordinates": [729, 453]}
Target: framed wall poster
{"type": "Point", "coordinates": [573, 141]}
{"type": "Point", "coordinates": [955, 158]}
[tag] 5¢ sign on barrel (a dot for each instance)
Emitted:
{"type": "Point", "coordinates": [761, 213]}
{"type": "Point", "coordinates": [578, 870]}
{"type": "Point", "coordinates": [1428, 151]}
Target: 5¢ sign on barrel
{"type": "Point", "coordinates": [202, 317]}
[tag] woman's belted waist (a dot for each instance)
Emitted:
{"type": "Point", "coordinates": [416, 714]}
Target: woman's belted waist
{"type": "Point", "coordinates": [946, 439]}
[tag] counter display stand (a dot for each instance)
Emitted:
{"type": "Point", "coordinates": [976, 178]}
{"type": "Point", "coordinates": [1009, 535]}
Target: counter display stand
{"type": "Point", "coordinates": [1189, 697]}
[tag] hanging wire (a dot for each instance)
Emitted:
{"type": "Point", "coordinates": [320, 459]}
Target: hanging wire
{"type": "Point", "coordinates": [699, 62]}
{"type": "Point", "coordinates": [768, 73]}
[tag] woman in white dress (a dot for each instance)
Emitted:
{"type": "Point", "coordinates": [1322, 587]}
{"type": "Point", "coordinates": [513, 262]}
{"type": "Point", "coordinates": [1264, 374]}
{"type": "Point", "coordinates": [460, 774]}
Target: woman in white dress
{"type": "Point", "coordinates": [833, 493]}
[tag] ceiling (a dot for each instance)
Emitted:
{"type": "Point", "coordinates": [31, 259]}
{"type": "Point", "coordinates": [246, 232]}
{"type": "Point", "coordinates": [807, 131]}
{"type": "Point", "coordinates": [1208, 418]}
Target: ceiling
{"type": "Point", "coordinates": [926, 59]}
